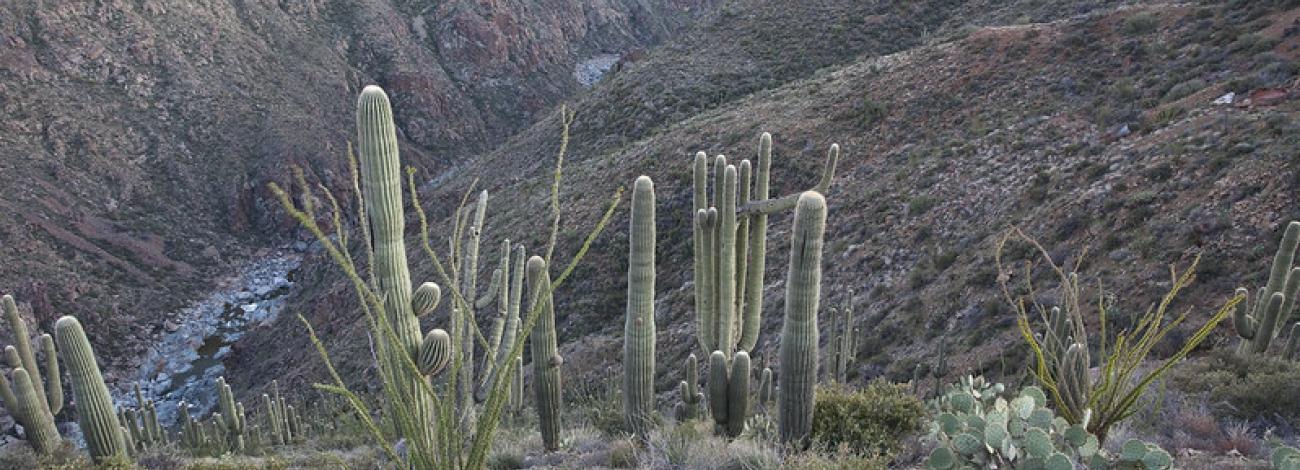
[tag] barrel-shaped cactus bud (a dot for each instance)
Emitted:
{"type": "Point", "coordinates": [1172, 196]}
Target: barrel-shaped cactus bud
{"type": "Point", "coordinates": [639, 321]}
{"type": "Point", "coordinates": [546, 354]}
{"type": "Point", "coordinates": [435, 352]}
{"type": "Point", "coordinates": [425, 299]}
{"type": "Point", "coordinates": [799, 330]}
{"type": "Point", "coordinates": [765, 388]}
{"type": "Point", "coordinates": [98, 419]}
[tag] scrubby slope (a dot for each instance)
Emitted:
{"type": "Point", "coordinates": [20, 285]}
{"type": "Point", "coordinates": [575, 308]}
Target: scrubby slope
{"type": "Point", "coordinates": [1089, 130]}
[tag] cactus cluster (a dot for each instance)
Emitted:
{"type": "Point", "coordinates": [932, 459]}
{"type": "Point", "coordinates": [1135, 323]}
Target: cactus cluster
{"type": "Point", "coordinates": [730, 246]}
{"type": "Point", "coordinates": [841, 348]}
{"type": "Point", "coordinates": [1272, 312]}
{"type": "Point", "coordinates": [143, 431]}
{"type": "Point", "coordinates": [235, 421]}
{"type": "Point", "coordinates": [32, 402]}
{"type": "Point", "coordinates": [799, 328]}
{"type": "Point", "coordinates": [729, 405]}
{"type": "Point", "coordinates": [546, 354]}
{"type": "Point", "coordinates": [639, 324]}
{"type": "Point", "coordinates": [692, 398]}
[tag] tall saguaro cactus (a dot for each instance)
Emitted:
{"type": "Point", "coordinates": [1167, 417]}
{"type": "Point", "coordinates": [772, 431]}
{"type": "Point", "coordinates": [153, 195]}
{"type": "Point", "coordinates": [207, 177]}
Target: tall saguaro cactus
{"type": "Point", "coordinates": [799, 330]}
{"type": "Point", "coordinates": [30, 401]}
{"type": "Point", "coordinates": [639, 324]}
{"type": "Point", "coordinates": [382, 191]}
{"type": "Point", "coordinates": [1273, 308]}
{"type": "Point", "coordinates": [546, 354]}
{"type": "Point", "coordinates": [98, 419]}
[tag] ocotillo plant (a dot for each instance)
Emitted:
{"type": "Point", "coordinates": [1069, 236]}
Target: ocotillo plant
{"type": "Point", "coordinates": [799, 329]}
{"type": "Point", "coordinates": [689, 389]}
{"type": "Point", "coordinates": [639, 324]}
{"type": "Point", "coordinates": [1098, 402]}
{"type": "Point", "coordinates": [28, 399]}
{"type": "Point", "coordinates": [546, 355]}
{"type": "Point", "coordinates": [424, 416]}
{"type": "Point", "coordinates": [98, 419]}
{"type": "Point", "coordinates": [1259, 321]}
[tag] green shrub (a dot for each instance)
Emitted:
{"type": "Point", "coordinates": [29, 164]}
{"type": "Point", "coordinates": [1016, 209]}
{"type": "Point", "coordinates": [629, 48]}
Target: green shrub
{"type": "Point", "coordinates": [1244, 387]}
{"type": "Point", "coordinates": [1139, 24]}
{"type": "Point", "coordinates": [868, 421]}
{"type": "Point", "coordinates": [920, 204]}
{"type": "Point", "coordinates": [872, 111]}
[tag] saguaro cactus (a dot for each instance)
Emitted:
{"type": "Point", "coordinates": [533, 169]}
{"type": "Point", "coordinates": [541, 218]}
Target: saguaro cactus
{"type": "Point", "coordinates": [234, 415]}
{"type": "Point", "coordinates": [546, 355]}
{"type": "Point", "coordinates": [639, 324]}
{"type": "Point", "coordinates": [1260, 321]}
{"type": "Point", "coordinates": [729, 391]}
{"type": "Point", "coordinates": [32, 404]}
{"type": "Point", "coordinates": [689, 389]}
{"type": "Point", "coordinates": [842, 350]}
{"type": "Point", "coordinates": [765, 389]}
{"type": "Point", "coordinates": [799, 330]}
{"type": "Point", "coordinates": [730, 252]}
{"type": "Point", "coordinates": [94, 404]}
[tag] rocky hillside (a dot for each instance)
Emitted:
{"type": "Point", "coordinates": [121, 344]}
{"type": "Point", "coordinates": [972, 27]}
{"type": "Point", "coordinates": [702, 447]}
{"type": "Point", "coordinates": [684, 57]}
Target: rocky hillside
{"type": "Point", "coordinates": [137, 136]}
{"type": "Point", "coordinates": [1094, 128]}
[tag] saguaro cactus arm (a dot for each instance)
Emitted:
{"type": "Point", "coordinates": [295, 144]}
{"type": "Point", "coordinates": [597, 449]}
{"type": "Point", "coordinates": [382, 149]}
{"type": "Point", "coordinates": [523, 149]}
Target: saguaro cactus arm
{"type": "Point", "coordinates": [781, 204]}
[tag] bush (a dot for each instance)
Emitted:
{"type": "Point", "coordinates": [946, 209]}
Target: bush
{"type": "Point", "coordinates": [1248, 388]}
{"type": "Point", "coordinates": [868, 421]}
{"type": "Point", "coordinates": [1139, 24]}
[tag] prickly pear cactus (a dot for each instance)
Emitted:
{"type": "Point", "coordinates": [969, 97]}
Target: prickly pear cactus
{"type": "Point", "coordinates": [977, 425]}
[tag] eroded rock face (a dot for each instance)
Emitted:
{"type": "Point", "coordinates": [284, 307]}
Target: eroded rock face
{"type": "Point", "coordinates": [138, 137]}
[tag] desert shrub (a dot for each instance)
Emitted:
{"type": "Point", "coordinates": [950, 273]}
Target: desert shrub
{"type": "Point", "coordinates": [1138, 24]}
{"type": "Point", "coordinates": [868, 421]}
{"type": "Point", "coordinates": [872, 111]}
{"type": "Point", "coordinates": [835, 461]}
{"type": "Point", "coordinates": [1244, 387]}
{"type": "Point", "coordinates": [622, 454]}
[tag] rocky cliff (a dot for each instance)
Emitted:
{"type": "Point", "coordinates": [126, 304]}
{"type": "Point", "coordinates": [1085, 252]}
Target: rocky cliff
{"type": "Point", "coordinates": [136, 137]}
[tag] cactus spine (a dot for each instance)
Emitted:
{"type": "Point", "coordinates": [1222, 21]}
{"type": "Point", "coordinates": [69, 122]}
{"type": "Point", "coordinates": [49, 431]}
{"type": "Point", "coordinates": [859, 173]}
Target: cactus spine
{"type": "Point", "coordinates": [98, 420]}
{"type": "Point", "coordinates": [799, 329]}
{"type": "Point", "coordinates": [546, 354]}
{"type": "Point", "coordinates": [639, 324]}
{"type": "Point", "coordinates": [689, 389]}
{"type": "Point", "coordinates": [1260, 321]}
{"type": "Point", "coordinates": [28, 399]}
